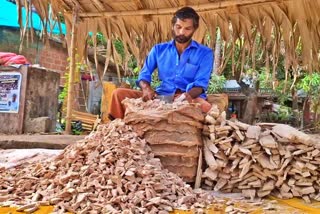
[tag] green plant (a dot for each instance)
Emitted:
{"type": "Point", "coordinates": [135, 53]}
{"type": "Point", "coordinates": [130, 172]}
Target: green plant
{"type": "Point", "coordinates": [264, 78]}
{"type": "Point", "coordinates": [64, 93]}
{"type": "Point", "coordinates": [155, 82]}
{"type": "Point", "coordinates": [216, 84]}
{"type": "Point", "coordinates": [310, 84]}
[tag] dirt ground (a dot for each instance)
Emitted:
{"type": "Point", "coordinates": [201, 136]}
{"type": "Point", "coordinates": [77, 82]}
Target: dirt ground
{"type": "Point", "coordinates": [38, 141]}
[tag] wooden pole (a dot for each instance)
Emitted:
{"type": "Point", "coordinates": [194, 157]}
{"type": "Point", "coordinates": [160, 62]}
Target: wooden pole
{"type": "Point", "coordinates": [165, 11]}
{"type": "Point", "coordinates": [71, 73]}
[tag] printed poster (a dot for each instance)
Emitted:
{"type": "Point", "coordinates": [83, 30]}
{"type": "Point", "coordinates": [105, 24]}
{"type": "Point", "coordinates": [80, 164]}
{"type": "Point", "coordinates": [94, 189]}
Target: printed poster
{"type": "Point", "coordinates": [10, 83]}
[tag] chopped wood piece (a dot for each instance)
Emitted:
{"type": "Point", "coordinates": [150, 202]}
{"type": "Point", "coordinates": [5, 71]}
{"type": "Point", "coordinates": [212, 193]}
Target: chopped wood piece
{"type": "Point", "coordinates": [242, 126]}
{"type": "Point", "coordinates": [210, 160]}
{"type": "Point", "coordinates": [250, 193]}
{"type": "Point", "coordinates": [253, 132]}
{"type": "Point", "coordinates": [221, 182]}
{"type": "Point", "coordinates": [265, 161]}
{"type": "Point", "coordinates": [211, 146]}
{"type": "Point", "coordinates": [233, 125]}
{"type": "Point", "coordinates": [268, 142]}
{"type": "Point", "coordinates": [292, 134]}
{"type": "Point", "coordinates": [269, 185]}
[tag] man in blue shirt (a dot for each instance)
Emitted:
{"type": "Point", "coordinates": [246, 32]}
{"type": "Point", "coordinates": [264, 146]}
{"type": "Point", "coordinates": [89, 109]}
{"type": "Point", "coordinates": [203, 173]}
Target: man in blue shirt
{"type": "Point", "coordinates": [184, 67]}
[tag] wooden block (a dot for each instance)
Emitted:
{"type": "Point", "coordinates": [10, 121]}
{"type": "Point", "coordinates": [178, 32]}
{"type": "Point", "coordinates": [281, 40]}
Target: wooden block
{"type": "Point", "coordinates": [223, 128]}
{"type": "Point", "coordinates": [256, 149]}
{"type": "Point", "coordinates": [209, 173]}
{"type": "Point", "coordinates": [306, 174]}
{"type": "Point", "coordinates": [269, 185]}
{"type": "Point", "coordinates": [211, 128]}
{"type": "Point", "coordinates": [268, 151]}
{"type": "Point", "coordinates": [284, 188]}
{"type": "Point", "coordinates": [245, 169]}
{"type": "Point", "coordinates": [299, 152]}
{"type": "Point", "coordinates": [291, 182]}
{"type": "Point", "coordinates": [221, 163]}
{"type": "Point", "coordinates": [211, 146]}
{"type": "Point", "coordinates": [275, 151]}
{"type": "Point", "coordinates": [243, 187]}
{"type": "Point", "coordinates": [242, 126]}
{"type": "Point", "coordinates": [221, 156]}
{"type": "Point", "coordinates": [232, 124]}
{"type": "Point", "coordinates": [295, 192]}
{"type": "Point", "coordinates": [253, 132]}
{"type": "Point", "coordinates": [286, 195]}
{"type": "Point", "coordinates": [208, 182]}
{"type": "Point", "coordinates": [222, 134]}
{"type": "Point", "coordinates": [256, 184]}
{"type": "Point", "coordinates": [212, 137]}
{"type": "Point", "coordinates": [199, 171]}
{"type": "Point", "coordinates": [294, 135]}
{"type": "Point", "coordinates": [221, 182]}
{"type": "Point", "coordinates": [249, 193]}
{"type": "Point", "coordinates": [264, 161]}
{"type": "Point", "coordinates": [263, 193]}
{"type": "Point", "coordinates": [282, 150]}
{"type": "Point", "coordinates": [240, 135]}
{"type": "Point", "coordinates": [245, 151]}
{"type": "Point", "coordinates": [234, 149]}
{"type": "Point", "coordinates": [249, 142]}
{"type": "Point", "coordinates": [244, 161]}
{"type": "Point", "coordinates": [225, 146]}
{"type": "Point", "coordinates": [247, 179]}
{"type": "Point", "coordinates": [306, 199]}
{"type": "Point", "coordinates": [315, 153]}
{"type": "Point", "coordinates": [299, 165]}
{"type": "Point", "coordinates": [307, 190]}
{"type": "Point", "coordinates": [209, 158]}
{"type": "Point", "coordinates": [268, 142]}
{"type": "Point", "coordinates": [235, 163]}
{"type": "Point", "coordinates": [303, 183]}
{"type": "Point", "coordinates": [224, 175]}
{"type": "Point", "coordinates": [210, 120]}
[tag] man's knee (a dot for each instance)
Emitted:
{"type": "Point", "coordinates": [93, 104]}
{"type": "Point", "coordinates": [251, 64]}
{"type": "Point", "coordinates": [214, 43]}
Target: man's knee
{"type": "Point", "coordinates": [119, 93]}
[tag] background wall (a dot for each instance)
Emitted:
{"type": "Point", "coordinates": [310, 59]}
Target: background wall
{"type": "Point", "coordinates": [53, 55]}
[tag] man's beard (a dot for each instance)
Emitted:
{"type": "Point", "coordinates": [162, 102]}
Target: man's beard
{"type": "Point", "coordinates": [181, 38]}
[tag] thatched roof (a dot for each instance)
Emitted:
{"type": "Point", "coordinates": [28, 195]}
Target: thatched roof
{"type": "Point", "coordinates": [282, 24]}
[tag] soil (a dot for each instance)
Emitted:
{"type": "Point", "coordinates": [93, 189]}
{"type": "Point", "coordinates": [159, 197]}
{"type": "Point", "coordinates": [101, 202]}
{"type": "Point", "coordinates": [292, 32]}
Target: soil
{"type": "Point", "coordinates": [37, 141]}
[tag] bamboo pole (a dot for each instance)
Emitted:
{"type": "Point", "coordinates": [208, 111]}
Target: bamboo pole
{"type": "Point", "coordinates": [71, 73]}
{"type": "Point", "coordinates": [171, 10]}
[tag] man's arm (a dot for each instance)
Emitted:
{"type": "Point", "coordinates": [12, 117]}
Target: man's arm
{"type": "Point", "coordinates": [144, 78]}
{"type": "Point", "coordinates": [147, 92]}
{"type": "Point", "coordinates": [200, 84]}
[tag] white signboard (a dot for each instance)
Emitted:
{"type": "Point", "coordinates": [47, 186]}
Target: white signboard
{"type": "Point", "coordinates": [10, 83]}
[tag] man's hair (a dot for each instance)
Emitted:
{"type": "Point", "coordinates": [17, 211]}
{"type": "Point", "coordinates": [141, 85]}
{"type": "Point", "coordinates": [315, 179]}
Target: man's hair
{"type": "Point", "coordinates": [186, 13]}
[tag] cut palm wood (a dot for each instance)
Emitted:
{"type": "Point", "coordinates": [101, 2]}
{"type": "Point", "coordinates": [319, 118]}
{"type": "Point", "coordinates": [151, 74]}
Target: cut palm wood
{"type": "Point", "coordinates": [261, 160]}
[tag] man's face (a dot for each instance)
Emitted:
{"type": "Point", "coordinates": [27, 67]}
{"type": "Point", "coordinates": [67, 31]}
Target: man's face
{"type": "Point", "coordinates": [183, 30]}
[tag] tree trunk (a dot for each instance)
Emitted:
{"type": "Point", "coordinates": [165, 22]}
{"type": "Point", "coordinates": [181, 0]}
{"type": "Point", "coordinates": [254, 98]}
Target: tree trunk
{"type": "Point", "coordinates": [306, 112]}
{"type": "Point", "coordinates": [295, 106]}
{"type": "Point", "coordinates": [217, 53]}
{"type": "Point", "coordinates": [251, 108]}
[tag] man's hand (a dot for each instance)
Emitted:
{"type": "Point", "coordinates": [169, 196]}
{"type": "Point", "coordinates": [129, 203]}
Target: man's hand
{"type": "Point", "coordinates": [147, 92]}
{"type": "Point", "coordinates": [184, 96]}
{"type": "Point", "coordinates": [190, 95]}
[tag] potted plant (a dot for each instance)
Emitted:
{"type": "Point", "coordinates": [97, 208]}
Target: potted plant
{"type": "Point", "coordinates": [215, 90]}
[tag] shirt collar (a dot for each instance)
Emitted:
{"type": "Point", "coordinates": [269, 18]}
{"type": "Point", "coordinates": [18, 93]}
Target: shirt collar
{"type": "Point", "coordinates": [193, 44]}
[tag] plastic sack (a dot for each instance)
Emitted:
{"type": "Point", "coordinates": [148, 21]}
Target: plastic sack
{"type": "Point", "coordinates": [5, 57]}
{"type": "Point", "coordinates": [18, 59]}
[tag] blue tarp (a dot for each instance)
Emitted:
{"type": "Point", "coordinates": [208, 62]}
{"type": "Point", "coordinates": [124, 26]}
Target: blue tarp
{"type": "Point", "coordinates": [9, 18]}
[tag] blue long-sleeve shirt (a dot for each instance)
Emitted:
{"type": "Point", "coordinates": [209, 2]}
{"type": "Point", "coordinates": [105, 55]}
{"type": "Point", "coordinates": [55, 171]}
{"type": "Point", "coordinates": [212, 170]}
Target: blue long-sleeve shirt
{"type": "Point", "coordinates": [192, 69]}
